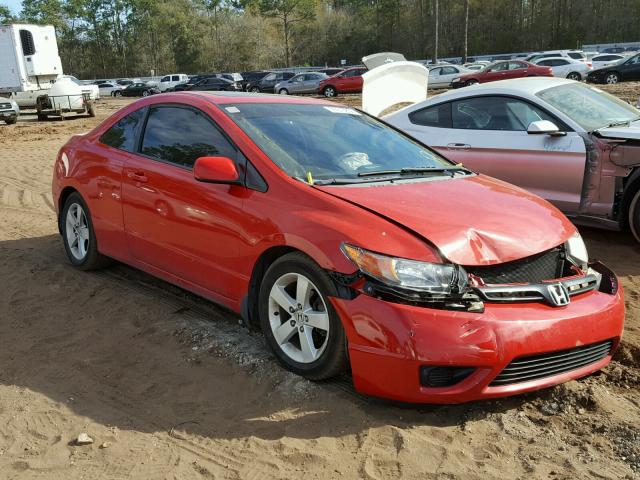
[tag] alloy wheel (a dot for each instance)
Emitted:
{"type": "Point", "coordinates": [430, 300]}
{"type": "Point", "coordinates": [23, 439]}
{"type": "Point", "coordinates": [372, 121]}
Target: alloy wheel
{"type": "Point", "coordinates": [298, 318]}
{"type": "Point", "coordinates": [612, 79]}
{"type": "Point", "coordinates": [329, 92]}
{"type": "Point", "coordinates": [77, 230]}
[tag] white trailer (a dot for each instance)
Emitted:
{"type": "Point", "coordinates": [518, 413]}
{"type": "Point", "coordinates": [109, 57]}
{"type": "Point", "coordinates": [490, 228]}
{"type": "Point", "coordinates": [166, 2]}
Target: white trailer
{"type": "Point", "coordinates": [29, 59]}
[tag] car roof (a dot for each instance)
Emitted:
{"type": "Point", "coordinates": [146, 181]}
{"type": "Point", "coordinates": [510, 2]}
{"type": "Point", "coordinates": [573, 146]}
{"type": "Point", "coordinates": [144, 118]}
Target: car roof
{"type": "Point", "coordinates": [516, 86]}
{"type": "Point", "coordinates": [224, 98]}
{"type": "Point", "coordinates": [566, 59]}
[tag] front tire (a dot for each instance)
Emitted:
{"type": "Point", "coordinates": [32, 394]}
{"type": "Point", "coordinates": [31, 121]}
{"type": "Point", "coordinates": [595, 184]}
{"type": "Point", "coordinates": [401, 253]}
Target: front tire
{"type": "Point", "coordinates": [612, 78]}
{"type": "Point", "coordinates": [471, 82]}
{"type": "Point", "coordinates": [117, 94]}
{"type": "Point", "coordinates": [298, 320]}
{"type": "Point", "coordinates": [330, 92]}
{"type": "Point", "coordinates": [145, 93]}
{"type": "Point", "coordinates": [255, 89]}
{"type": "Point", "coordinates": [283, 91]}
{"type": "Point", "coordinates": [78, 235]}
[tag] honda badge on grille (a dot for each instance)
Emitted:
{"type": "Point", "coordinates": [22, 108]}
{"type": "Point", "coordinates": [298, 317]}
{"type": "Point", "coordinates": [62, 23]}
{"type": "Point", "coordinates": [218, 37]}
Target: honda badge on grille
{"type": "Point", "coordinates": [558, 294]}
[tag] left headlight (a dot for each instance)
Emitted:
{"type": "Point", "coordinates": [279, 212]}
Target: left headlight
{"type": "Point", "coordinates": [404, 273]}
{"type": "Point", "coordinates": [577, 251]}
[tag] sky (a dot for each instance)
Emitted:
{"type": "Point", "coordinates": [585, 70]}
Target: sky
{"type": "Point", "coordinates": [14, 5]}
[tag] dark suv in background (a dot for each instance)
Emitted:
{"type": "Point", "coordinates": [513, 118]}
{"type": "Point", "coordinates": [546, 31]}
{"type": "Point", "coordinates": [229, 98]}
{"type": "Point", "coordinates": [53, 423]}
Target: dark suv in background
{"type": "Point", "coordinates": [268, 82]}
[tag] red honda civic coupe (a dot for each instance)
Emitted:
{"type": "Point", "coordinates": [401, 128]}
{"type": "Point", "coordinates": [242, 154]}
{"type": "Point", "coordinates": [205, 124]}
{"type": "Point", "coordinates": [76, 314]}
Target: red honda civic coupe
{"type": "Point", "coordinates": [502, 71]}
{"type": "Point", "coordinates": [349, 244]}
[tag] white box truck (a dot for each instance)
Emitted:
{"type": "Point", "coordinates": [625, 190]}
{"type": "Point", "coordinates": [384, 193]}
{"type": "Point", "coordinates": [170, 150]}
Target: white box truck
{"type": "Point", "coordinates": [29, 59]}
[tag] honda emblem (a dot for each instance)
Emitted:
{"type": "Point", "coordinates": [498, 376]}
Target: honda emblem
{"type": "Point", "coordinates": [558, 294]}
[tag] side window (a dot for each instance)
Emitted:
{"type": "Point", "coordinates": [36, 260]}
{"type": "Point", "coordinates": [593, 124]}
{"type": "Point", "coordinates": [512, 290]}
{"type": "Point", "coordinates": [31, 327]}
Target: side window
{"type": "Point", "coordinates": [544, 63]}
{"type": "Point", "coordinates": [435, 72]}
{"type": "Point", "coordinates": [516, 65]}
{"type": "Point", "coordinates": [435, 116]}
{"type": "Point", "coordinates": [122, 135]}
{"type": "Point", "coordinates": [180, 135]}
{"type": "Point", "coordinates": [270, 77]}
{"type": "Point", "coordinates": [495, 113]}
{"type": "Point", "coordinates": [175, 78]}
{"type": "Point", "coordinates": [449, 71]}
{"type": "Point", "coordinates": [28, 45]}
{"type": "Point", "coordinates": [165, 79]}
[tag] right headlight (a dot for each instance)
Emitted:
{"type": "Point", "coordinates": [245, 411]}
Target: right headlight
{"type": "Point", "coordinates": [577, 251]}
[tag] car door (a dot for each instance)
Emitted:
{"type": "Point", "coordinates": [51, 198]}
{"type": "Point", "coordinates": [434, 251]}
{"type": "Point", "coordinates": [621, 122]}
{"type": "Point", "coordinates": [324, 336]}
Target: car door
{"type": "Point", "coordinates": [295, 84]}
{"type": "Point", "coordinates": [309, 83]}
{"type": "Point", "coordinates": [497, 71]}
{"type": "Point", "coordinates": [174, 223]}
{"type": "Point", "coordinates": [447, 75]}
{"type": "Point", "coordinates": [434, 77]}
{"type": "Point", "coordinates": [488, 134]}
{"type": "Point", "coordinates": [268, 82]}
{"type": "Point", "coordinates": [516, 70]}
{"type": "Point", "coordinates": [631, 68]}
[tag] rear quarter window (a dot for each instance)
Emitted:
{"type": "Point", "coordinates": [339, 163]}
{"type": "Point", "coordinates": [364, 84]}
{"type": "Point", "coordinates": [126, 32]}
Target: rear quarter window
{"type": "Point", "coordinates": [435, 116]}
{"type": "Point", "coordinates": [122, 135]}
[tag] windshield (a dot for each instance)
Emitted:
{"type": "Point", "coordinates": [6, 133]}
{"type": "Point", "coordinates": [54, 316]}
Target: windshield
{"type": "Point", "coordinates": [590, 107]}
{"type": "Point", "coordinates": [329, 142]}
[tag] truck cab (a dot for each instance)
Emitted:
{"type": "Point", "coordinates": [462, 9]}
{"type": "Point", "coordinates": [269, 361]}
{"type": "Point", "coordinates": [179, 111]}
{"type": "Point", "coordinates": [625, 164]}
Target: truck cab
{"type": "Point", "coordinates": [169, 81]}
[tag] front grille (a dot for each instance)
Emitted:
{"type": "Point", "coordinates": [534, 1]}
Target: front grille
{"type": "Point", "coordinates": [524, 369]}
{"type": "Point", "coordinates": [543, 266]}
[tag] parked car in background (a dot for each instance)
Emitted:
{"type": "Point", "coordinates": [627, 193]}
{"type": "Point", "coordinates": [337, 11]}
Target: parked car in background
{"type": "Point", "coordinates": [614, 50]}
{"type": "Point", "coordinates": [565, 67]}
{"type": "Point", "coordinates": [109, 89]}
{"type": "Point", "coordinates": [140, 89]}
{"type": "Point", "coordinates": [169, 81]}
{"type": "Point", "coordinates": [307, 82]}
{"type": "Point", "coordinates": [605, 59]}
{"type": "Point", "coordinates": [574, 54]}
{"type": "Point", "coordinates": [252, 77]}
{"type": "Point", "coordinates": [427, 282]}
{"type": "Point", "coordinates": [347, 81]}
{"type": "Point", "coordinates": [502, 71]}
{"type": "Point", "coordinates": [522, 130]}
{"type": "Point", "coordinates": [442, 76]}
{"type": "Point", "coordinates": [330, 71]}
{"type": "Point", "coordinates": [620, 71]}
{"type": "Point", "coordinates": [125, 82]}
{"type": "Point", "coordinates": [267, 83]}
{"type": "Point", "coordinates": [9, 111]}
{"type": "Point", "coordinates": [214, 84]}
{"type": "Point", "coordinates": [475, 66]}
{"type": "Point", "coordinates": [92, 90]}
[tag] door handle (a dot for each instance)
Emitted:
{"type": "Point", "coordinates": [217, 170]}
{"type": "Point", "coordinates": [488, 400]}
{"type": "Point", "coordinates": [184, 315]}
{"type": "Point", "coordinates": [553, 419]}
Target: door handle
{"type": "Point", "coordinates": [458, 146]}
{"type": "Point", "coordinates": [138, 177]}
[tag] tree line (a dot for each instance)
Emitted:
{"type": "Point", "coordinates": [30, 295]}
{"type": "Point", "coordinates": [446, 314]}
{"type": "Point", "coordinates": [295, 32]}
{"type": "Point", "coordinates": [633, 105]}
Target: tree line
{"type": "Point", "coordinates": [114, 38]}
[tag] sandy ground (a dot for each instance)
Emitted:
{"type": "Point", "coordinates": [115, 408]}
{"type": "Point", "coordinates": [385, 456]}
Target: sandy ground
{"type": "Point", "coordinates": [171, 387]}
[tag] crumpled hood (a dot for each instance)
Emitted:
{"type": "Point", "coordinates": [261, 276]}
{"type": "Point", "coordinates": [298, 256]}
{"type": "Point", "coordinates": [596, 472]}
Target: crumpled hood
{"type": "Point", "coordinates": [476, 220]}
{"type": "Point", "coordinates": [632, 132]}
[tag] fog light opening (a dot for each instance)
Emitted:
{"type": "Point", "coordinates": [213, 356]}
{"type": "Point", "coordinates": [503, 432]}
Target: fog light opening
{"type": "Point", "coordinates": [440, 376]}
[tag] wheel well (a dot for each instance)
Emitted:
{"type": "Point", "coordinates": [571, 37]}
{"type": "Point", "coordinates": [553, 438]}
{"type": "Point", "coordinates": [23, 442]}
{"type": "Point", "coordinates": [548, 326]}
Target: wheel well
{"type": "Point", "coordinates": [631, 187]}
{"type": "Point", "coordinates": [66, 191]}
{"type": "Point", "coordinates": [250, 313]}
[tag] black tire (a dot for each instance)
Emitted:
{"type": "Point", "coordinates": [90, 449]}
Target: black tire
{"type": "Point", "coordinates": [470, 82]}
{"type": "Point", "coordinates": [91, 109]}
{"type": "Point", "coordinates": [11, 121]}
{"type": "Point", "coordinates": [283, 91]}
{"type": "Point", "coordinates": [255, 90]}
{"type": "Point", "coordinates": [333, 360]}
{"type": "Point", "coordinates": [330, 92]}
{"type": "Point", "coordinates": [634, 216]}
{"type": "Point", "coordinates": [612, 78]}
{"type": "Point", "coordinates": [574, 76]}
{"type": "Point", "coordinates": [42, 117]}
{"type": "Point", "coordinates": [145, 93]}
{"type": "Point", "coordinates": [117, 93]}
{"type": "Point", "coordinates": [93, 259]}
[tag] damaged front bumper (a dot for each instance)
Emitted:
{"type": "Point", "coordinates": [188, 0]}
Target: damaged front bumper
{"type": "Point", "coordinates": [395, 347]}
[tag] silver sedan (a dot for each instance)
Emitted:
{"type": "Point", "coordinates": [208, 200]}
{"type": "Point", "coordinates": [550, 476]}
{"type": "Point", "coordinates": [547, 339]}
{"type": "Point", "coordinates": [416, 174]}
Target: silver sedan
{"type": "Point", "coordinates": [302, 83]}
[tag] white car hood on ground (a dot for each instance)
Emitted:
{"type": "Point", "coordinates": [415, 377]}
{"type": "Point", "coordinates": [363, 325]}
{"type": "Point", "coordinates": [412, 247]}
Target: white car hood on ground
{"type": "Point", "coordinates": [631, 132]}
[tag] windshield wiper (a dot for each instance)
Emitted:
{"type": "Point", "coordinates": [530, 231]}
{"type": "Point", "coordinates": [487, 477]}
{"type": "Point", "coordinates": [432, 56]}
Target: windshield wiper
{"type": "Point", "coordinates": [409, 170]}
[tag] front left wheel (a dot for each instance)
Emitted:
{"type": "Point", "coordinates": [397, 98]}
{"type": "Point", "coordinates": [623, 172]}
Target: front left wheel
{"type": "Point", "coordinates": [297, 318]}
{"type": "Point", "coordinates": [79, 237]}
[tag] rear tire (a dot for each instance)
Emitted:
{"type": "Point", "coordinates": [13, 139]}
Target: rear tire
{"type": "Point", "coordinates": [574, 76]}
{"type": "Point", "coordinates": [78, 235]}
{"type": "Point", "coordinates": [145, 93]}
{"type": "Point", "coordinates": [117, 94]}
{"type": "Point", "coordinates": [91, 110]}
{"type": "Point", "coordinates": [471, 82]}
{"type": "Point", "coordinates": [294, 305]}
{"type": "Point", "coordinates": [255, 89]}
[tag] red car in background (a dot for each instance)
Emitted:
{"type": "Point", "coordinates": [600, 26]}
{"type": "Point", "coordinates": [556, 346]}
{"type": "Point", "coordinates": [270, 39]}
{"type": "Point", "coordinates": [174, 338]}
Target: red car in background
{"type": "Point", "coordinates": [348, 243]}
{"type": "Point", "coordinates": [347, 81]}
{"type": "Point", "coordinates": [502, 71]}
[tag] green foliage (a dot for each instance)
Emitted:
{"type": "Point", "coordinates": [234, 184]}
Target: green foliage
{"type": "Point", "coordinates": [5, 14]}
{"type": "Point", "coordinates": [112, 38]}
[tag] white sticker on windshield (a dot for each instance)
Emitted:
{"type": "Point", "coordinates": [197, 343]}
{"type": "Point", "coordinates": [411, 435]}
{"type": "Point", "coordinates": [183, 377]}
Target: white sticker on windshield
{"type": "Point", "coordinates": [232, 109]}
{"type": "Point", "coordinates": [349, 111]}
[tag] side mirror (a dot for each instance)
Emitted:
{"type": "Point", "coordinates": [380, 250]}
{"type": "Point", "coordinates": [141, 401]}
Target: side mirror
{"type": "Point", "coordinates": [543, 127]}
{"type": "Point", "coordinates": [216, 170]}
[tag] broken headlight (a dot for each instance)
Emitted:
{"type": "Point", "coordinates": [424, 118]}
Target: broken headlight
{"type": "Point", "coordinates": [435, 278]}
{"type": "Point", "coordinates": [577, 251]}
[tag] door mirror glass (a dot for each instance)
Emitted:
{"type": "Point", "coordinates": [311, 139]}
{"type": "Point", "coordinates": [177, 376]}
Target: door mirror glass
{"type": "Point", "coordinates": [542, 127]}
{"type": "Point", "coordinates": [216, 170]}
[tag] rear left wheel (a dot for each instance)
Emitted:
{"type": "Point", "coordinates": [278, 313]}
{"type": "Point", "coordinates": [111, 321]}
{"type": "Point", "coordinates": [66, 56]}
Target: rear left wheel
{"type": "Point", "coordinates": [574, 76]}
{"type": "Point", "coordinates": [330, 92]}
{"type": "Point", "coordinates": [78, 235]}
{"type": "Point", "coordinates": [297, 318]}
